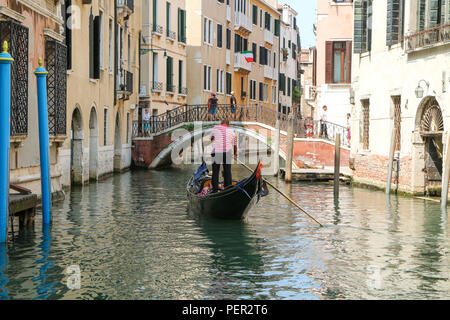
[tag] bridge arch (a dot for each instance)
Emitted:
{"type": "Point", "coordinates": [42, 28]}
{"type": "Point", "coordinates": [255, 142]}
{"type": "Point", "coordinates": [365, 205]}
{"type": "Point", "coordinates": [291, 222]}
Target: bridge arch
{"type": "Point", "coordinates": [184, 139]}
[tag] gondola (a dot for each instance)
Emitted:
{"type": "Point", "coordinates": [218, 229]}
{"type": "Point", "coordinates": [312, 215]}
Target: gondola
{"type": "Point", "coordinates": [233, 202]}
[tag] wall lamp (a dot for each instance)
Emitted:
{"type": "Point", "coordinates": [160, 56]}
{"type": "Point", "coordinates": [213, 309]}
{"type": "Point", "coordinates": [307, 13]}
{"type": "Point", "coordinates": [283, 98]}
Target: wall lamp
{"type": "Point", "coordinates": [419, 90]}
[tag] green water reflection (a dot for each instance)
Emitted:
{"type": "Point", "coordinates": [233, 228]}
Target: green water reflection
{"type": "Point", "coordinates": [133, 237]}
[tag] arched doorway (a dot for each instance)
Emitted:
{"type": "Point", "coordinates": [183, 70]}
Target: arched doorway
{"type": "Point", "coordinates": [76, 146]}
{"type": "Point", "coordinates": [431, 128]}
{"type": "Point", "coordinates": [93, 145]}
{"type": "Point", "coordinates": [117, 144]}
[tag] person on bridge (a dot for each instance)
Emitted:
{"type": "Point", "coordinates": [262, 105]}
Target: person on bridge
{"type": "Point", "coordinates": [323, 123]}
{"type": "Point", "coordinates": [212, 106]}
{"type": "Point", "coordinates": [233, 105]}
{"type": "Point", "coordinates": [224, 145]}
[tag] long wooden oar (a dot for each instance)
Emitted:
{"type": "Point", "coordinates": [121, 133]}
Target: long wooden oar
{"type": "Point", "coordinates": [283, 194]}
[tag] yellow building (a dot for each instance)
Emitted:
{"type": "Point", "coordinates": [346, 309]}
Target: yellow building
{"type": "Point", "coordinates": [163, 56]}
{"type": "Point", "coordinates": [102, 37]}
{"type": "Point", "coordinates": [215, 60]}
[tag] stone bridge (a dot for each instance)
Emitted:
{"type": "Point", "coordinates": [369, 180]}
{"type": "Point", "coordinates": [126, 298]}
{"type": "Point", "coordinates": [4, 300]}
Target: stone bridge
{"type": "Point", "coordinates": [162, 139]}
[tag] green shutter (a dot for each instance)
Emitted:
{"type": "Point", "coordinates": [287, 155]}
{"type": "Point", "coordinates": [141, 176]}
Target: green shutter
{"type": "Point", "coordinates": [179, 24]}
{"type": "Point", "coordinates": [360, 14]}
{"type": "Point", "coordinates": [255, 15]}
{"type": "Point", "coordinates": [169, 72]}
{"type": "Point", "coordinates": [168, 18]}
{"type": "Point", "coordinates": [421, 15]}
{"type": "Point", "coordinates": [277, 27]}
{"type": "Point", "coordinates": [443, 12]}
{"type": "Point", "coordinates": [393, 22]}
{"type": "Point", "coordinates": [183, 29]}
{"type": "Point", "coordinates": [155, 14]}
{"type": "Point", "coordinates": [433, 13]}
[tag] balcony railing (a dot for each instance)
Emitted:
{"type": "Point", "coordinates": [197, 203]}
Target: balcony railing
{"type": "Point", "coordinates": [125, 82]}
{"type": "Point", "coordinates": [182, 91]}
{"type": "Point", "coordinates": [170, 88]}
{"type": "Point", "coordinates": [268, 36]}
{"type": "Point", "coordinates": [157, 86]}
{"type": "Point", "coordinates": [428, 38]}
{"type": "Point", "coordinates": [171, 35]}
{"type": "Point", "coordinates": [126, 4]}
{"type": "Point", "coordinates": [242, 22]}
{"type": "Point", "coordinates": [157, 30]}
{"type": "Point", "coordinates": [240, 64]}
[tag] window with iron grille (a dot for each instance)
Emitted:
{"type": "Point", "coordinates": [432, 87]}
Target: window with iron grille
{"type": "Point", "coordinates": [365, 123]}
{"type": "Point", "coordinates": [17, 37]}
{"type": "Point", "coordinates": [397, 121]}
{"type": "Point", "coordinates": [56, 62]}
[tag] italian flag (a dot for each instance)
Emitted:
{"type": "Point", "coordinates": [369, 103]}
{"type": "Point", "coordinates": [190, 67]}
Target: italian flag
{"type": "Point", "coordinates": [248, 55]}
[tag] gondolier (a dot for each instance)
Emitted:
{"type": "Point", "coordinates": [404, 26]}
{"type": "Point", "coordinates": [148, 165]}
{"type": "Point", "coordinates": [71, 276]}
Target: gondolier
{"type": "Point", "coordinates": [224, 144]}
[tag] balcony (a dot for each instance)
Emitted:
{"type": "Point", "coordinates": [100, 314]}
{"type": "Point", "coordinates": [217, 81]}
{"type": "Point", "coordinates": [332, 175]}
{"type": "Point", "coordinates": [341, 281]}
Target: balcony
{"type": "Point", "coordinates": [228, 57]}
{"type": "Point", "coordinates": [268, 36]}
{"type": "Point", "coordinates": [125, 6]}
{"type": "Point", "coordinates": [242, 23]}
{"type": "Point", "coordinates": [125, 85]}
{"type": "Point", "coordinates": [171, 89]}
{"type": "Point", "coordinates": [229, 13]}
{"type": "Point", "coordinates": [157, 30]}
{"type": "Point", "coordinates": [172, 36]}
{"type": "Point", "coordinates": [182, 91]}
{"type": "Point", "coordinates": [240, 64]}
{"type": "Point", "coordinates": [157, 86]}
{"type": "Point", "coordinates": [429, 38]}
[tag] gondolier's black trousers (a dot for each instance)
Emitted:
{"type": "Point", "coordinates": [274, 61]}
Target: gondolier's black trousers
{"type": "Point", "coordinates": [223, 158]}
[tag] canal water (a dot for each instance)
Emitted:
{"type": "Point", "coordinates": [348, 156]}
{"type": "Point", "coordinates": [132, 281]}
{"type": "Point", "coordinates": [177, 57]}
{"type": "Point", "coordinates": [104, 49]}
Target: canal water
{"type": "Point", "coordinates": [132, 237]}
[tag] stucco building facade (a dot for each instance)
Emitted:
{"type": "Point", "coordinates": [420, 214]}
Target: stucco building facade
{"type": "Point", "coordinates": [102, 38]}
{"type": "Point", "coordinates": [334, 30]}
{"type": "Point", "coordinates": [32, 30]}
{"type": "Point", "coordinates": [163, 56]}
{"type": "Point", "coordinates": [401, 80]}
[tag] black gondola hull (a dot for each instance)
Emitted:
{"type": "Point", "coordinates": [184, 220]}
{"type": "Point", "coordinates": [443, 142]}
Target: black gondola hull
{"type": "Point", "coordinates": [232, 203]}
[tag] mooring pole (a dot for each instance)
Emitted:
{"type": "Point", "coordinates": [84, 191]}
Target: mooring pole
{"type": "Point", "coordinates": [5, 127]}
{"type": "Point", "coordinates": [391, 161]}
{"type": "Point", "coordinates": [289, 149]}
{"type": "Point", "coordinates": [44, 146]}
{"type": "Point", "coordinates": [337, 164]}
{"type": "Point", "coordinates": [445, 178]}
{"type": "Point", "coordinates": [276, 148]}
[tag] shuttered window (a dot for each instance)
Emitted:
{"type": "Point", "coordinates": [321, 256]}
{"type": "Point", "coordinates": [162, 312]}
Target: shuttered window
{"type": "Point", "coordinates": [169, 74]}
{"type": "Point", "coordinates": [338, 61]}
{"type": "Point", "coordinates": [228, 39]}
{"type": "Point", "coordinates": [255, 51]}
{"type": "Point", "coordinates": [277, 27]}
{"type": "Point", "coordinates": [219, 35]}
{"type": "Point", "coordinates": [181, 25]}
{"type": "Point", "coordinates": [360, 26]}
{"type": "Point", "coordinates": [168, 19]}
{"type": "Point", "coordinates": [393, 22]}
{"type": "Point", "coordinates": [255, 15]}
{"type": "Point", "coordinates": [155, 14]}
{"type": "Point", "coordinates": [68, 31]}
{"type": "Point", "coordinates": [94, 47]}
{"type": "Point", "coordinates": [228, 83]}
{"type": "Point", "coordinates": [434, 13]}
{"type": "Point", "coordinates": [421, 5]}
{"type": "Point", "coordinates": [261, 92]}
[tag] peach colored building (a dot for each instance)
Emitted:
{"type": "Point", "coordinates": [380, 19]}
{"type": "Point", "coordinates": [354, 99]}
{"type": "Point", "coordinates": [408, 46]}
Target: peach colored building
{"type": "Point", "coordinates": [334, 32]}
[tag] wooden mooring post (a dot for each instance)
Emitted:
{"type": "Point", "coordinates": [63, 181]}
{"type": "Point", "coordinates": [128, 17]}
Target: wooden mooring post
{"type": "Point", "coordinates": [276, 149]}
{"type": "Point", "coordinates": [289, 149]}
{"type": "Point", "coordinates": [391, 160]}
{"type": "Point", "coordinates": [337, 164]}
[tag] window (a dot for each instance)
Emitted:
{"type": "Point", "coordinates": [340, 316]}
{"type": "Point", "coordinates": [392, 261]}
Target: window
{"type": "Point", "coordinates": [252, 89]}
{"type": "Point", "coordinates": [240, 43]}
{"type": "Point", "coordinates": [68, 31]}
{"type": "Point", "coordinates": [228, 83]}
{"type": "Point", "coordinates": [111, 46]}
{"type": "Point", "coordinates": [207, 30]}
{"type": "Point", "coordinates": [267, 21]}
{"type": "Point", "coordinates": [365, 123]}
{"type": "Point", "coordinates": [289, 87]}
{"type": "Point", "coordinates": [395, 21]}
{"type": "Point", "coordinates": [128, 127]}
{"type": "Point", "coordinates": [219, 35]}
{"type": "Point", "coordinates": [155, 69]}
{"type": "Point", "coordinates": [219, 81]}
{"type": "Point", "coordinates": [181, 25]}
{"type": "Point", "coordinates": [101, 44]}
{"type": "Point", "coordinates": [277, 28]}
{"type": "Point", "coordinates": [255, 15]}
{"type": "Point", "coordinates": [255, 50]}
{"type": "Point", "coordinates": [431, 13]}
{"type": "Point", "coordinates": [180, 76]}
{"type": "Point", "coordinates": [338, 61]}
{"type": "Point", "coordinates": [260, 18]}
{"type": "Point", "coordinates": [228, 39]}
{"type": "Point", "coordinates": [363, 26]}
{"type": "Point", "coordinates": [207, 78]}
{"type": "Point", "coordinates": [263, 56]}
{"type": "Point", "coordinates": [155, 15]}
{"type": "Point", "coordinates": [274, 95]}
{"type": "Point", "coordinates": [105, 127]}
{"type": "Point", "coordinates": [168, 18]}
{"type": "Point", "coordinates": [94, 47]}
{"type": "Point", "coordinates": [169, 74]}
{"type": "Point", "coordinates": [282, 83]}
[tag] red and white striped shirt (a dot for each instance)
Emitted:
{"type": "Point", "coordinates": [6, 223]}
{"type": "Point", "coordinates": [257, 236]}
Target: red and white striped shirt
{"type": "Point", "coordinates": [224, 139]}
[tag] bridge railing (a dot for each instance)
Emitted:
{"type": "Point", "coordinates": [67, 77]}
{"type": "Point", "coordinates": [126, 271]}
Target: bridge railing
{"type": "Point", "coordinates": [244, 113]}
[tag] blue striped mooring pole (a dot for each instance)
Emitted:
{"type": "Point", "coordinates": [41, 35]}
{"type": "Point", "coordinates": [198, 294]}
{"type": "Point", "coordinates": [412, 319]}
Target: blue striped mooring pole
{"type": "Point", "coordinates": [5, 127]}
{"type": "Point", "coordinates": [44, 146]}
